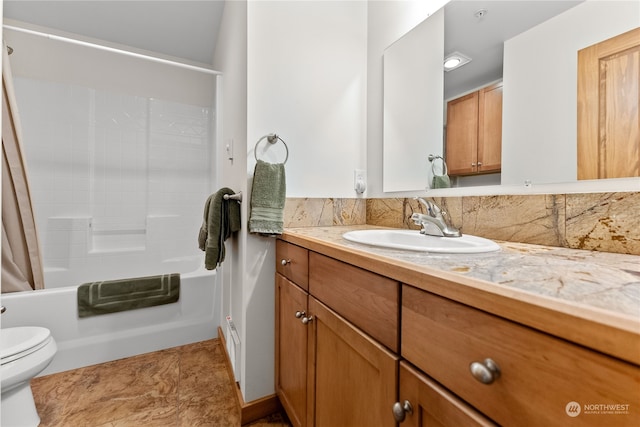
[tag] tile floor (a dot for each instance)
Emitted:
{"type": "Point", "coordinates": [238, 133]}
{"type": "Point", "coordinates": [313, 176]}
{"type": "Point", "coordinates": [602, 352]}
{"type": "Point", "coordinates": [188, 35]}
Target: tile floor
{"type": "Point", "coordinates": [184, 386]}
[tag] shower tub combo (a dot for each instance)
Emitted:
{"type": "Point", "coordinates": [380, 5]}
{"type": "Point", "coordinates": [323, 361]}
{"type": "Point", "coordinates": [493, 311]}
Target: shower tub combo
{"type": "Point", "coordinates": [120, 165]}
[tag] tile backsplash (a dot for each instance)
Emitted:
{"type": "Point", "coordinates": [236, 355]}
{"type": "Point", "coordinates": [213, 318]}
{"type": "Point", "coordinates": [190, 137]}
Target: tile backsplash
{"type": "Point", "coordinates": [607, 222]}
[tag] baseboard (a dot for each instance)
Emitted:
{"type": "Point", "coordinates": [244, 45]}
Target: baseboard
{"type": "Point", "coordinates": [256, 409]}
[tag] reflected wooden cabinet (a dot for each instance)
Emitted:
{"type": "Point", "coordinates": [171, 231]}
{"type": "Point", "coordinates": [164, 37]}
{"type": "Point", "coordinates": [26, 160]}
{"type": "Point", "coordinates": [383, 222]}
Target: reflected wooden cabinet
{"type": "Point", "coordinates": [474, 132]}
{"type": "Point", "coordinates": [608, 108]}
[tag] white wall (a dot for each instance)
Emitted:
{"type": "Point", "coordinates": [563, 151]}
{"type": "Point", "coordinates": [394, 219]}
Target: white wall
{"type": "Point", "coordinates": [298, 69]}
{"type": "Point", "coordinates": [540, 72]}
{"type": "Point", "coordinates": [231, 59]}
{"type": "Point", "coordinates": [307, 82]}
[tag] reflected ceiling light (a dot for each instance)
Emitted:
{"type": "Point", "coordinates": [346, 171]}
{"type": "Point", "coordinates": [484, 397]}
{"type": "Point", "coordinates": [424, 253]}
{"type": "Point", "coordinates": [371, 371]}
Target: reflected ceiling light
{"type": "Point", "coordinates": [455, 60]}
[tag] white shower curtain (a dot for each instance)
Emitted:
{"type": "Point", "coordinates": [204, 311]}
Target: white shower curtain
{"type": "Point", "coordinates": [21, 259]}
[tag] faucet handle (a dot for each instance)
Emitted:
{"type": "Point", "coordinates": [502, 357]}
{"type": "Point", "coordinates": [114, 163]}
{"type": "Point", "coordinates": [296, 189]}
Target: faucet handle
{"type": "Point", "coordinates": [432, 209]}
{"type": "Point", "coordinates": [435, 210]}
{"type": "Point", "coordinates": [416, 217]}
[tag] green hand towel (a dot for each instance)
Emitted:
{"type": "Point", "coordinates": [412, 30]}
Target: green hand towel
{"type": "Point", "coordinates": [268, 196]}
{"type": "Point", "coordinates": [221, 219]}
{"type": "Point", "coordinates": [441, 181]}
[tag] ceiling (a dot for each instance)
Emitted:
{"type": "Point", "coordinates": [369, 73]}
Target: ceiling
{"type": "Point", "coordinates": [481, 36]}
{"type": "Point", "coordinates": [179, 28]}
{"type": "Point", "coordinates": [188, 29]}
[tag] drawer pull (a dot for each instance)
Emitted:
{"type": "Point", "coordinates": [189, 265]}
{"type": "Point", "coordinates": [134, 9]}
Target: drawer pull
{"type": "Point", "coordinates": [299, 314]}
{"type": "Point", "coordinates": [400, 410]}
{"type": "Point", "coordinates": [486, 371]}
{"type": "Point", "coordinates": [306, 320]}
{"type": "Point", "coordinates": [284, 262]}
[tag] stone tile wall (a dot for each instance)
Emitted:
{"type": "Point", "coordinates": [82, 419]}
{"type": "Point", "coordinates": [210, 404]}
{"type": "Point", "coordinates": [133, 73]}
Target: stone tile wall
{"type": "Point", "coordinates": [607, 222]}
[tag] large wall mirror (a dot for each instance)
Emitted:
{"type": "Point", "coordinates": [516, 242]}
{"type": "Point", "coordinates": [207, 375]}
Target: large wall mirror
{"type": "Point", "coordinates": [531, 47]}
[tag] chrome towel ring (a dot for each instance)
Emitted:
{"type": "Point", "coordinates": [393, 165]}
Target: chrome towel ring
{"type": "Point", "coordinates": [272, 138]}
{"type": "Point", "coordinates": [432, 159]}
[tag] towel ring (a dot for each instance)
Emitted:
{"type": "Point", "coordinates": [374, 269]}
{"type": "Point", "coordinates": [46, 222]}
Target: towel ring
{"type": "Point", "coordinates": [272, 138]}
{"type": "Point", "coordinates": [433, 165]}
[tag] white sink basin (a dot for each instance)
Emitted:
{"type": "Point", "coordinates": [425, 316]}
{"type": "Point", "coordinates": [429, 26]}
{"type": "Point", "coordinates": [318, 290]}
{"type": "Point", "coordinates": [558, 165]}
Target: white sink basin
{"type": "Point", "coordinates": [412, 240]}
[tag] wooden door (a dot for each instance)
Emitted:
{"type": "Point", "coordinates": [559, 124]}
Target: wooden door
{"type": "Point", "coordinates": [608, 108]}
{"type": "Point", "coordinates": [462, 135]}
{"type": "Point", "coordinates": [490, 128]}
{"type": "Point", "coordinates": [355, 376]}
{"type": "Point", "coordinates": [291, 350]}
{"type": "Point", "coordinates": [432, 405]}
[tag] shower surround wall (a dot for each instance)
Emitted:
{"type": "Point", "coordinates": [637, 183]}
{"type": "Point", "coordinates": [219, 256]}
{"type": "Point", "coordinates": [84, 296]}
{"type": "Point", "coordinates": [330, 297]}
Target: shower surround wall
{"type": "Point", "coordinates": [118, 181]}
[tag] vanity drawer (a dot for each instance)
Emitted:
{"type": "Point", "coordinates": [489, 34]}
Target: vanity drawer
{"type": "Point", "coordinates": [542, 379]}
{"type": "Point", "coordinates": [293, 263]}
{"type": "Point", "coordinates": [366, 299]}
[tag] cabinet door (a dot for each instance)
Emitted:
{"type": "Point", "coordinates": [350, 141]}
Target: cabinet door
{"type": "Point", "coordinates": [291, 350]}
{"type": "Point", "coordinates": [608, 113]}
{"type": "Point", "coordinates": [432, 405]}
{"type": "Point", "coordinates": [355, 377]}
{"type": "Point", "coordinates": [462, 135]}
{"type": "Point", "coordinates": [490, 129]}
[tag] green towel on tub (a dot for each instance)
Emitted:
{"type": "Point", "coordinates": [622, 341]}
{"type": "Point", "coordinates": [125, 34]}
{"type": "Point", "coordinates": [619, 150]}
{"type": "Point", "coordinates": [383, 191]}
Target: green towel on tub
{"type": "Point", "coordinates": [268, 196]}
{"type": "Point", "coordinates": [221, 219]}
{"type": "Point", "coordinates": [112, 296]}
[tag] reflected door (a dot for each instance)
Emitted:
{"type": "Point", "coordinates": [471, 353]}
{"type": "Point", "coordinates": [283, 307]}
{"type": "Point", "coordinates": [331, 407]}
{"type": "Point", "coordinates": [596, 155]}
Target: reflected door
{"type": "Point", "coordinates": [608, 108]}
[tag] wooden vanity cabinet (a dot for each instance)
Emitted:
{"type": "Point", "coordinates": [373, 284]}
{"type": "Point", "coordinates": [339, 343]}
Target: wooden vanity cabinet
{"type": "Point", "coordinates": [522, 376]}
{"type": "Point", "coordinates": [367, 349]}
{"type": "Point", "coordinates": [474, 132]}
{"type": "Point", "coordinates": [355, 379]}
{"type": "Point", "coordinates": [330, 372]}
{"type": "Point", "coordinates": [431, 405]}
{"type": "Point", "coordinates": [291, 338]}
{"type": "Point", "coordinates": [291, 350]}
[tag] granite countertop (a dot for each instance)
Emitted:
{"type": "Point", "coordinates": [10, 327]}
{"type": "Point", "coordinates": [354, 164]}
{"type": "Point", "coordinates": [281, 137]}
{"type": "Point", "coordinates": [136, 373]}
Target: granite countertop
{"type": "Point", "coordinates": [598, 287]}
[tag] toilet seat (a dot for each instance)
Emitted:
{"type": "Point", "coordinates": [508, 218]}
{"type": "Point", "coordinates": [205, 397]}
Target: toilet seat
{"type": "Point", "coordinates": [19, 342]}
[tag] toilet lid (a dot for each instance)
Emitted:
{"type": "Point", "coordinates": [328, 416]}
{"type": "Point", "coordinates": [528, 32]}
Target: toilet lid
{"type": "Point", "coordinates": [14, 341]}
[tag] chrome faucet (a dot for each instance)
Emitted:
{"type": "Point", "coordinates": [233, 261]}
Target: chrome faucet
{"type": "Point", "coordinates": [434, 223]}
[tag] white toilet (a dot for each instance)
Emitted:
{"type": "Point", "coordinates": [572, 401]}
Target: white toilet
{"type": "Point", "coordinates": [25, 352]}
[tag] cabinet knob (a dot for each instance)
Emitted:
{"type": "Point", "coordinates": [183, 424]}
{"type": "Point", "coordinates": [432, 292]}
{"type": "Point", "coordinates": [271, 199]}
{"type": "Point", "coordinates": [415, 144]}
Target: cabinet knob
{"type": "Point", "coordinates": [486, 371]}
{"type": "Point", "coordinates": [400, 410]}
{"type": "Point", "coordinates": [473, 165]}
{"type": "Point", "coordinates": [306, 320]}
{"type": "Point", "coordinates": [299, 314]}
{"type": "Point", "coordinates": [479, 164]}
{"type": "Point", "coordinates": [285, 261]}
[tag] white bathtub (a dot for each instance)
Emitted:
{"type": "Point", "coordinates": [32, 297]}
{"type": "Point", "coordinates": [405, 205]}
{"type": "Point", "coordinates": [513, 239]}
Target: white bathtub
{"type": "Point", "coordinates": [98, 339]}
